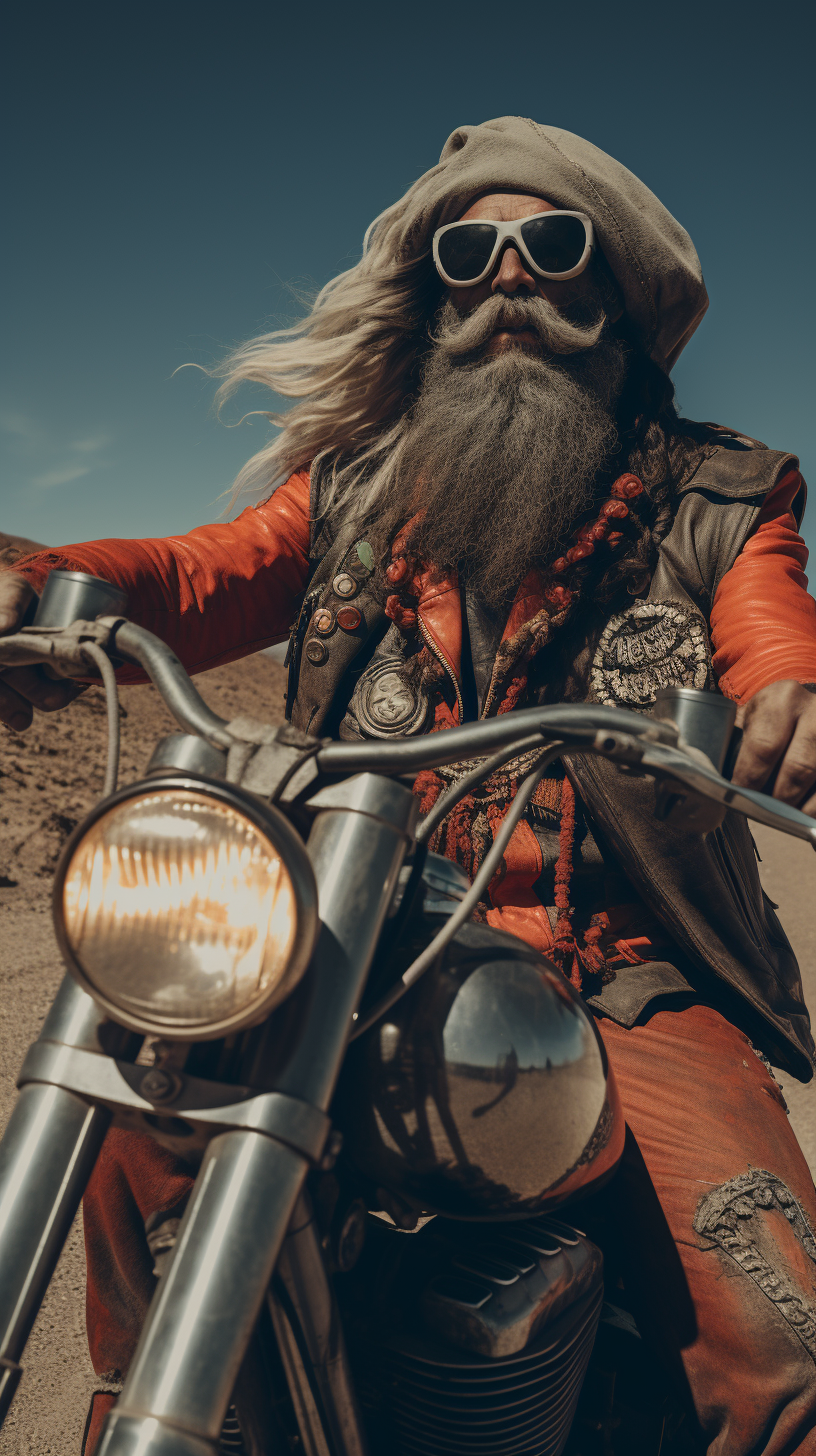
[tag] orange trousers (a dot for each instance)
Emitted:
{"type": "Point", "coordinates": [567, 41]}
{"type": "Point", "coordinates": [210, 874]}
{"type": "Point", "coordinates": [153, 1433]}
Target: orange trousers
{"type": "Point", "coordinates": [730, 1303]}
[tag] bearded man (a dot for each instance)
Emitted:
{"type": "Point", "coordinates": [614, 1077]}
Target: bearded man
{"type": "Point", "coordinates": [488, 501]}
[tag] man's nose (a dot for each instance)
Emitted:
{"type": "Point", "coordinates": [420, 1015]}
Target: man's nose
{"type": "Point", "coordinates": [511, 274]}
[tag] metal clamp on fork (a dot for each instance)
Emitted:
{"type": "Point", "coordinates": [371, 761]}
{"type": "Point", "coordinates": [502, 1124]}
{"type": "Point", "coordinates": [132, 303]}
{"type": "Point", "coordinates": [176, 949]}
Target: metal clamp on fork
{"type": "Point", "coordinates": [206, 1306]}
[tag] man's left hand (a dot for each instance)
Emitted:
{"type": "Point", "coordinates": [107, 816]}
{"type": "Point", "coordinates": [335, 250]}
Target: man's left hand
{"type": "Point", "coordinates": [778, 749]}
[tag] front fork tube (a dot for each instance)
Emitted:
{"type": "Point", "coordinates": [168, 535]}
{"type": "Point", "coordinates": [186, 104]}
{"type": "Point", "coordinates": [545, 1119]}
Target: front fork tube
{"type": "Point", "coordinates": [205, 1308]}
{"type": "Point", "coordinates": [47, 1155]}
{"type": "Point", "coordinates": [310, 1339]}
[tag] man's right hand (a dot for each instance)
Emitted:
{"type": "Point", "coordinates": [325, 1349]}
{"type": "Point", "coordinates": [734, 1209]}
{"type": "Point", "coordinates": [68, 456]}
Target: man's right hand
{"type": "Point", "coordinates": [22, 689]}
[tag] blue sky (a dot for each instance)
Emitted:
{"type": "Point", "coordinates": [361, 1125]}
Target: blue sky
{"type": "Point", "coordinates": [177, 173]}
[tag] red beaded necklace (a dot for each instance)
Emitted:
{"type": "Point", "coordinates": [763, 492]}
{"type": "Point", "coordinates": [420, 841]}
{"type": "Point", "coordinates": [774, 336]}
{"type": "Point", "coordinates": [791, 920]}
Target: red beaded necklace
{"type": "Point", "coordinates": [403, 571]}
{"type": "Point", "coordinates": [411, 577]}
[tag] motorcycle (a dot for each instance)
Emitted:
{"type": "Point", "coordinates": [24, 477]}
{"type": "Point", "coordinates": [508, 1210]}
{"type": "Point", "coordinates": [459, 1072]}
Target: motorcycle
{"type": "Point", "coordinates": [390, 1105]}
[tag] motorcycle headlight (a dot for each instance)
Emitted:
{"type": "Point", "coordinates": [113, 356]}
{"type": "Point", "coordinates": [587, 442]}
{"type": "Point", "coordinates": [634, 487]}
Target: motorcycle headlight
{"type": "Point", "coordinates": [186, 914]}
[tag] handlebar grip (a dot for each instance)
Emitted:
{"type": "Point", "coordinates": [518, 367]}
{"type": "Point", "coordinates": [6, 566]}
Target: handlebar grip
{"type": "Point", "coordinates": [74, 596]}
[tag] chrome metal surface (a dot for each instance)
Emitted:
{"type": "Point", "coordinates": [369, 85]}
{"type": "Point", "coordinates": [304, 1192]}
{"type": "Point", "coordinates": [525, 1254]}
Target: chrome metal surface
{"type": "Point", "coordinates": [705, 720]}
{"type": "Point", "coordinates": [163, 668]}
{"type": "Point", "coordinates": [46, 1157]}
{"type": "Point", "coordinates": [10, 1373]}
{"type": "Point", "coordinates": [206, 1305]}
{"type": "Point", "coordinates": [74, 596]}
{"type": "Point", "coordinates": [494, 1290]}
{"type": "Point", "coordinates": [309, 1420]}
{"type": "Point", "coordinates": [484, 1093]}
{"type": "Point", "coordinates": [345, 846]}
{"type": "Point", "coordinates": [369, 794]}
{"type": "Point", "coordinates": [445, 878]}
{"type": "Point", "coordinates": [441, 1399]}
{"type": "Point", "coordinates": [659, 758]}
{"type": "Point", "coordinates": [312, 1305]}
{"type": "Point", "coordinates": [127, 1435]}
{"type": "Point", "coordinates": [190, 754]}
{"type": "Point", "coordinates": [74, 1018]}
{"type": "Point", "coordinates": [115, 1084]}
{"type": "Point", "coordinates": [581, 721]}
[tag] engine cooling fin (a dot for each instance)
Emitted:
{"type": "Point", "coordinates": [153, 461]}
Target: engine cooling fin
{"type": "Point", "coordinates": [429, 1399]}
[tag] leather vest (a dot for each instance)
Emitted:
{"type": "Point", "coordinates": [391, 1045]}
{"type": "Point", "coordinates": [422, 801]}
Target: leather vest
{"type": "Point", "coordinates": [707, 893]}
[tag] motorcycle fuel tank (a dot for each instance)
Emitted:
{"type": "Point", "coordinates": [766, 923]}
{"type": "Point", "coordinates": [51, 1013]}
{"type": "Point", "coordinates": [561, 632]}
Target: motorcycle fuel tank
{"type": "Point", "coordinates": [485, 1092]}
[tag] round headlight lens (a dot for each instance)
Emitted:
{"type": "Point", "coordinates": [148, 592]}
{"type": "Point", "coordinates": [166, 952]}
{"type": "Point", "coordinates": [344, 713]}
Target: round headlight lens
{"type": "Point", "coordinates": [181, 913]}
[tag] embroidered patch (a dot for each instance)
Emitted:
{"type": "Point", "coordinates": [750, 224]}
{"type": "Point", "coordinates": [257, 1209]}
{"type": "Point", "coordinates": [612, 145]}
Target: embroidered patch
{"type": "Point", "coordinates": [728, 1217]}
{"type": "Point", "coordinates": [384, 704]}
{"type": "Point", "coordinates": [652, 645]}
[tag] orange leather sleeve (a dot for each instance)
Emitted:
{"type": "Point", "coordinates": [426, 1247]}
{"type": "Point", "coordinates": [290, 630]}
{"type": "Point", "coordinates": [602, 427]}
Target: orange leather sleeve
{"type": "Point", "coordinates": [218, 593]}
{"type": "Point", "coordinates": [763, 620]}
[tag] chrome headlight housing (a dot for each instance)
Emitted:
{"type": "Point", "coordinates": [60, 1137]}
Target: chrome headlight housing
{"type": "Point", "coordinates": [185, 908]}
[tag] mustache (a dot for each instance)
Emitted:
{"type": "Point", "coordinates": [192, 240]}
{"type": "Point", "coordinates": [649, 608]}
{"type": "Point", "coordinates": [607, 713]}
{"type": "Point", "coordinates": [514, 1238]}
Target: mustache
{"type": "Point", "coordinates": [459, 336]}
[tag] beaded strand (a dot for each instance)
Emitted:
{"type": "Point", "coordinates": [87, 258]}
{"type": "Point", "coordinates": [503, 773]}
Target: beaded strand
{"type": "Point", "coordinates": [401, 570]}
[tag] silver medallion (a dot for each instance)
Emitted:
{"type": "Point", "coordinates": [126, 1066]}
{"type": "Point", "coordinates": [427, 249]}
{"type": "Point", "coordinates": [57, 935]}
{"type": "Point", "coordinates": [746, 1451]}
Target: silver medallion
{"type": "Point", "coordinates": [384, 704]}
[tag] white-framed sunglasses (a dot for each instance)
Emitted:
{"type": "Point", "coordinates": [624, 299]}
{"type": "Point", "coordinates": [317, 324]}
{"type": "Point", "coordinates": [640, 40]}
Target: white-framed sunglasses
{"type": "Point", "coordinates": [554, 244]}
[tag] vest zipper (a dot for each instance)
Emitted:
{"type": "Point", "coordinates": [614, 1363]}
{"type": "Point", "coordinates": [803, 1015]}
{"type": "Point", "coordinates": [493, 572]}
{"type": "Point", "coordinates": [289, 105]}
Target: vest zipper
{"type": "Point", "coordinates": [488, 702]}
{"type": "Point", "coordinates": [440, 657]}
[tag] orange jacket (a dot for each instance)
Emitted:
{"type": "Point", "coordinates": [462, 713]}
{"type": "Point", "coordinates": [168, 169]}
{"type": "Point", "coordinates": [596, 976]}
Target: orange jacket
{"type": "Point", "coordinates": [226, 590]}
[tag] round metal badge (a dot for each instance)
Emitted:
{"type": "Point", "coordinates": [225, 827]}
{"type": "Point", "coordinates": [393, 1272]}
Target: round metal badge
{"type": "Point", "coordinates": [651, 645]}
{"type": "Point", "coordinates": [344, 585]}
{"type": "Point", "coordinates": [384, 704]}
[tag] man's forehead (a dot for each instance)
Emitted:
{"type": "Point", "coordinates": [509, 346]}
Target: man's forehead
{"type": "Point", "coordinates": [506, 207]}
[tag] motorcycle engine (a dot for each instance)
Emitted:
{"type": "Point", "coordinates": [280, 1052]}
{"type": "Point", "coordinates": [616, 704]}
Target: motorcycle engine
{"type": "Point", "coordinates": [467, 1340]}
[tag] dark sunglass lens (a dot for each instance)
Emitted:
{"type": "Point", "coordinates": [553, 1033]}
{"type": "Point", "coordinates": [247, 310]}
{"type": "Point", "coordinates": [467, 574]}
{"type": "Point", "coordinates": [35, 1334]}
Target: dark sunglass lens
{"type": "Point", "coordinates": [464, 252]}
{"type": "Point", "coordinates": [556, 243]}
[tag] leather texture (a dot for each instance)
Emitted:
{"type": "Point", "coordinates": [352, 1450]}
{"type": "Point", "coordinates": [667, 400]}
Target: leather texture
{"type": "Point", "coordinates": [216, 594]}
{"type": "Point", "coordinates": [767, 583]}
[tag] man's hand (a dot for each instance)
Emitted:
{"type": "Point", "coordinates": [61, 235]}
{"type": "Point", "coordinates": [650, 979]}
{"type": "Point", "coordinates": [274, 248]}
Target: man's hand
{"type": "Point", "coordinates": [22, 689]}
{"type": "Point", "coordinates": [779, 738]}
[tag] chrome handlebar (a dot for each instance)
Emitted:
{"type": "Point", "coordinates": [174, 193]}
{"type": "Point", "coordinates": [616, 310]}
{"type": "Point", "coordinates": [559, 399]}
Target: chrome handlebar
{"type": "Point", "coordinates": [640, 742]}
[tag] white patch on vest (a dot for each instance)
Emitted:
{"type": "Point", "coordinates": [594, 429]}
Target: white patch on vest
{"type": "Point", "coordinates": [652, 645]}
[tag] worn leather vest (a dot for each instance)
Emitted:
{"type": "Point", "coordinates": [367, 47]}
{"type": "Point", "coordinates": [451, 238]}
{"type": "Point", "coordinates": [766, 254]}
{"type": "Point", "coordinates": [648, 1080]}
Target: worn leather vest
{"type": "Point", "coordinates": [346, 682]}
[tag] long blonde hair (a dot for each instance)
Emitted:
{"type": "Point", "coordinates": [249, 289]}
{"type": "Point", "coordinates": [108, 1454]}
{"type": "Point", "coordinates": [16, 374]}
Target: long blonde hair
{"type": "Point", "coordinates": [351, 364]}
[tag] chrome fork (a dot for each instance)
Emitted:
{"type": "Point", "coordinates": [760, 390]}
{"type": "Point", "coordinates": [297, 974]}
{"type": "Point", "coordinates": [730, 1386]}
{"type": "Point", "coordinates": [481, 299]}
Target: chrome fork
{"type": "Point", "coordinates": [205, 1308]}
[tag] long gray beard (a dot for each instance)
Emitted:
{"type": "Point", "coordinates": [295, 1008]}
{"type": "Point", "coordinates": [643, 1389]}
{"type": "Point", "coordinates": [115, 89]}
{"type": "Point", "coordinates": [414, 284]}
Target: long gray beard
{"type": "Point", "coordinates": [502, 451]}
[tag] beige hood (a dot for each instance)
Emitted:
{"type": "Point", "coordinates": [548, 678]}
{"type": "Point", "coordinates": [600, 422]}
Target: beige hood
{"type": "Point", "coordinates": [650, 254]}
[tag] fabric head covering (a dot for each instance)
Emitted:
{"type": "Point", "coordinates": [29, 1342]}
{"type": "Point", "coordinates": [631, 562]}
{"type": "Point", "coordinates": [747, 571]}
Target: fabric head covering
{"type": "Point", "coordinates": [651, 256]}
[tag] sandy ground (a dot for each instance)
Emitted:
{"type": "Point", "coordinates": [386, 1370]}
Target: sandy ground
{"type": "Point", "coordinates": [50, 778]}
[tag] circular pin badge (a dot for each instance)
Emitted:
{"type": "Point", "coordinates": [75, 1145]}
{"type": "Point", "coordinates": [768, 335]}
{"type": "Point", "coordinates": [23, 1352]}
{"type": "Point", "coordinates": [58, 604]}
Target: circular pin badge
{"type": "Point", "coordinates": [652, 645]}
{"type": "Point", "coordinates": [323, 621]}
{"type": "Point", "coordinates": [384, 704]}
{"type": "Point", "coordinates": [349, 618]}
{"type": "Point", "coordinates": [316, 652]}
{"type": "Point", "coordinates": [344, 585]}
